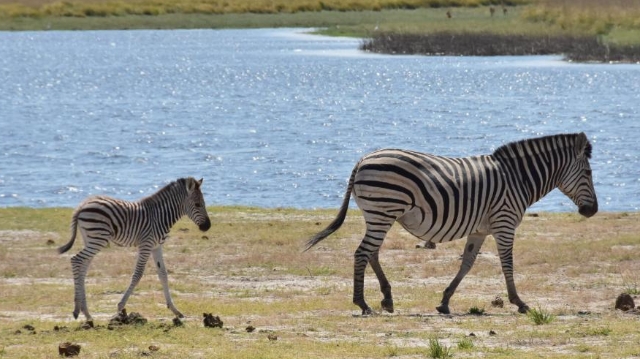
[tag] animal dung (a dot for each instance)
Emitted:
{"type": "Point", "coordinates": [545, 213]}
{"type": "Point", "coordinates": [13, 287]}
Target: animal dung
{"type": "Point", "coordinates": [498, 302]}
{"type": "Point", "coordinates": [211, 321]}
{"type": "Point", "coordinates": [625, 302]}
{"type": "Point", "coordinates": [68, 349]}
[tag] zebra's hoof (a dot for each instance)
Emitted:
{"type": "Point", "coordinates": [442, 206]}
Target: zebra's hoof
{"type": "Point", "coordinates": [367, 312]}
{"type": "Point", "coordinates": [387, 305]}
{"type": "Point", "coordinates": [75, 314]}
{"type": "Point", "coordinates": [443, 309]}
{"type": "Point", "coordinates": [523, 309]}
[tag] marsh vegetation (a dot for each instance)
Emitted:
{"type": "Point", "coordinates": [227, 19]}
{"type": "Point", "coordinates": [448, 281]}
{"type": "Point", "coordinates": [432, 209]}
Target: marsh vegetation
{"type": "Point", "coordinates": [610, 29]}
{"type": "Point", "coordinates": [277, 302]}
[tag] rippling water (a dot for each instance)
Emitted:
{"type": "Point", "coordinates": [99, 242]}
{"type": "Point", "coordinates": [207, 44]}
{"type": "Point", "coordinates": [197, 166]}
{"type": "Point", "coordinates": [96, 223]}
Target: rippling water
{"type": "Point", "coordinates": [276, 118]}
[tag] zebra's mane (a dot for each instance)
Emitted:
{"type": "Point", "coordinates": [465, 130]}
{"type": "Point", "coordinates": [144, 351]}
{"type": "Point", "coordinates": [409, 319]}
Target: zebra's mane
{"type": "Point", "coordinates": [161, 193]}
{"type": "Point", "coordinates": [517, 149]}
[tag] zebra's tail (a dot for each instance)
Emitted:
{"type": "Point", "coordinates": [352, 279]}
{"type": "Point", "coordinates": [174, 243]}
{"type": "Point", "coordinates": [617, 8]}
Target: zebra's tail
{"type": "Point", "coordinates": [337, 222]}
{"type": "Point", "coordinates": [74, 229]}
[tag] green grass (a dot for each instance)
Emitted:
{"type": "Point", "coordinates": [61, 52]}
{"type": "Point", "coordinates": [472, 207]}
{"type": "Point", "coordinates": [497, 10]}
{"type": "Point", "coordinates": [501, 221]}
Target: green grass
{"type": "Point", "coordinates": [540, 316]}
{"type": "Point", "coordinates": [437, 350]}
{"type": "Point", "coordinates": [259, 277]}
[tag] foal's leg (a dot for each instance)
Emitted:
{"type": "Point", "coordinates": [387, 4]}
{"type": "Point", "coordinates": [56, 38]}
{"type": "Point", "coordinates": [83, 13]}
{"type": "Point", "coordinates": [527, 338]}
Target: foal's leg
{"type": "Point", "coordinates": [143, 256]}
{"type": "Point", "coordinates": [162, 274]}
{"type": "Point", "coordinates": [79, 266]}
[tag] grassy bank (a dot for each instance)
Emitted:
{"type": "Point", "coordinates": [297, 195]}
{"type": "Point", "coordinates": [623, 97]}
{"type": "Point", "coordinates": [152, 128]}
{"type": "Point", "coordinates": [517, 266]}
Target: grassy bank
{"type": "Point", "coordinates": [248, 270]}
{"type": "Point", "coordinates": [601, 31]}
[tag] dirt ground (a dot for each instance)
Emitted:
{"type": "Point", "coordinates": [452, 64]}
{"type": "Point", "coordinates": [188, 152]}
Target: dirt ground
{"type": "Point", "coordinates": [249, 271]}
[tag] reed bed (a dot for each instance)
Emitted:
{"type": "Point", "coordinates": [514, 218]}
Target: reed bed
{"type": "Point", "coordinates": [579, 48]}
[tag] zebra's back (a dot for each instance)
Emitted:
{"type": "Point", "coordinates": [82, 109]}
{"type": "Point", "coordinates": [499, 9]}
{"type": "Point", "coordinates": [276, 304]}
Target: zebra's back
{"type": "Point", "coordinates": [433, 197]}
{"type": "Point", "coordinates": [116, 220]}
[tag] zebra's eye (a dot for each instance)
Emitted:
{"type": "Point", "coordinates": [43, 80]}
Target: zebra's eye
{"type": "Point", "coordinates": [197, 204]}
{"type": "Point", "coordinates": [588, 172]}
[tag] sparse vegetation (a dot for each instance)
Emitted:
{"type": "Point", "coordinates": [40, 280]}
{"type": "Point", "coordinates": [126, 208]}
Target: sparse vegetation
{"type": "Point", "coordinates": [476, 310]}
{"type": "Point", "coordinates": [465, 344]}
{"type": "Point", "coordinates": [437, 350]}
{"type": "Point", "coordinates": [249, 271]}
{"type": "Point", "coordinates": [540, 316]}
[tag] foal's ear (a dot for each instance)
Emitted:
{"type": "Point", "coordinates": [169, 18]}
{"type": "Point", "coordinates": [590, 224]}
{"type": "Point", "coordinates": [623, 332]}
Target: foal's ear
{"type": "Point", "coordinates": [200, 182]}
{"type": "Point", "coordinates": [192, 184]}
{"type": "Point", "coordinates": [583, 146]}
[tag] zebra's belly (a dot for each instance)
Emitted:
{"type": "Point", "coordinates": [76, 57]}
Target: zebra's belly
{"type": "Point", "coordinates": [420, 224]}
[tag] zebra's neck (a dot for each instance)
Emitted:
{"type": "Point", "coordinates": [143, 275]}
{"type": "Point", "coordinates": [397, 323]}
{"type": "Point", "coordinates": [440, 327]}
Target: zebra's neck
{"type": "Point", "coordinates": [535, 166]}
{"type": "Point", "coordinates": [166, 205]}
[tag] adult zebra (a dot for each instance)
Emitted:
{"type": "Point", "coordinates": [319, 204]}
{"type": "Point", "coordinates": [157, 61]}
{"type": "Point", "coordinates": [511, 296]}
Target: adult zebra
{"type": "Point", "coordinates": [144, 224]}
{"type": "Point", "coordinates": [440, 199]}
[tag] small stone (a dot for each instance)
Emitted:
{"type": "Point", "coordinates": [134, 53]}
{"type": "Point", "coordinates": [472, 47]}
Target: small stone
{"type": "Point", "coordinates": [272, 337]}
{"type": "Point", "coordinates": [154, 348]}
{"type": "Point", "coordinates": [250, 328]}
{"type": "Point", "coordinates": [472, 334]}
{"type": "Point", "coordinates": [491, 332]}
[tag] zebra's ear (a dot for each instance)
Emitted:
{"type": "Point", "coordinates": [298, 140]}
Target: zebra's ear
{"type": "Point", "coordinates": [583, 147]}
{"type": "Point", "coordinates": [192, 184]}
{"type": "Point", "coordinates": [200, 182]}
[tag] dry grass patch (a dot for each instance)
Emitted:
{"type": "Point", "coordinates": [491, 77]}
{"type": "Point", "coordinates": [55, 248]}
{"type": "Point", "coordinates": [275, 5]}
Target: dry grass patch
{"type": "Point", "coordinates": [249, 270]}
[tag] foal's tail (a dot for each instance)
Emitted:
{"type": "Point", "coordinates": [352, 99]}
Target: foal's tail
{"type": "Point", "coordinates": [74, 229]}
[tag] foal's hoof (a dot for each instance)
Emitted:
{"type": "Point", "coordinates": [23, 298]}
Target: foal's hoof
{"type": "Point", "coordinates": [443, 309]}
{"type": "Point", "coordinates": [367, 312]}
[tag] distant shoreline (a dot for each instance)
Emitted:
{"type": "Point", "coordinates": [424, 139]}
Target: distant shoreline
{"type": "Point", "coordinates": [420, 31]}
{"type": "Point", "coordinates": [573, 48]}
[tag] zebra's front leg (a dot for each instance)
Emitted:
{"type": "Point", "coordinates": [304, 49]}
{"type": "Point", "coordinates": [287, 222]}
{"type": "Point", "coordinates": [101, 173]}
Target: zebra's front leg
{"type": "Point", "coordinates": [471, 249]}
{"type": "Point", "coordinates": [385, 287]}
{"type": "Point", "coordinates": [162, 274]}
{"type": "Point", "coordinates": [505, 250]}
{"type": "Point", "coordinates": [143, 256]}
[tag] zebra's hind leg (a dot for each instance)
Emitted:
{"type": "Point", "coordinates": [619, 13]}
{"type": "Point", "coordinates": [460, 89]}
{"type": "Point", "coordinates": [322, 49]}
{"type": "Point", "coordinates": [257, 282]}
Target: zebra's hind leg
{"type": "Point", "coordinates": [385, 287]}
{"type": "Point", "coordinates": [471, 249]}
{"type": "Point", "coordinates": [79, 266]}
{"type": "Point", "coordinates": [162, 274]}
{"type": "Point", "coordinates": [143, 256]}
{"type": "Point", "coordinates": [367, 250]}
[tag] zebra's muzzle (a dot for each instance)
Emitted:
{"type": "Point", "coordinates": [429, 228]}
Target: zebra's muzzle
{"type": "Point", "coordinates": [588, 210]}
{"type": "Point", "coordinates": [205, 226]}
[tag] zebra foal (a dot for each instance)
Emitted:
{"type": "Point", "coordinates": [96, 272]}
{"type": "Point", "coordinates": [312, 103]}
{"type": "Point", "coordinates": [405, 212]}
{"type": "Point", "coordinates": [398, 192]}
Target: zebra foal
{"type": "Point", "coordinates": [439, 199]}
{"type": "Point", "coordinates": [145, 224]}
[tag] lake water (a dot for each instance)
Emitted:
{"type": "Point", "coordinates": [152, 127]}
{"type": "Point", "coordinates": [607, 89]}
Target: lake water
{"type": "Point", "coordinates": [277, 118]}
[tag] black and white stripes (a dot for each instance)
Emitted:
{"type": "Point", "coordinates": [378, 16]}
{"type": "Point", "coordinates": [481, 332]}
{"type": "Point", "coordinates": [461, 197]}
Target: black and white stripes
{"type": "Point", "coordinates": [145, 224]}
{"type": "Point", "coordinates": [440, 199]}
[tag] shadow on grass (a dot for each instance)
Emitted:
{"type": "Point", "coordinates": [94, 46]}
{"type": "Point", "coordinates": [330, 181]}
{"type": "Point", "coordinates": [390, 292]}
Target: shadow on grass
{"type": "Point", "coordinates": [574, 48]}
